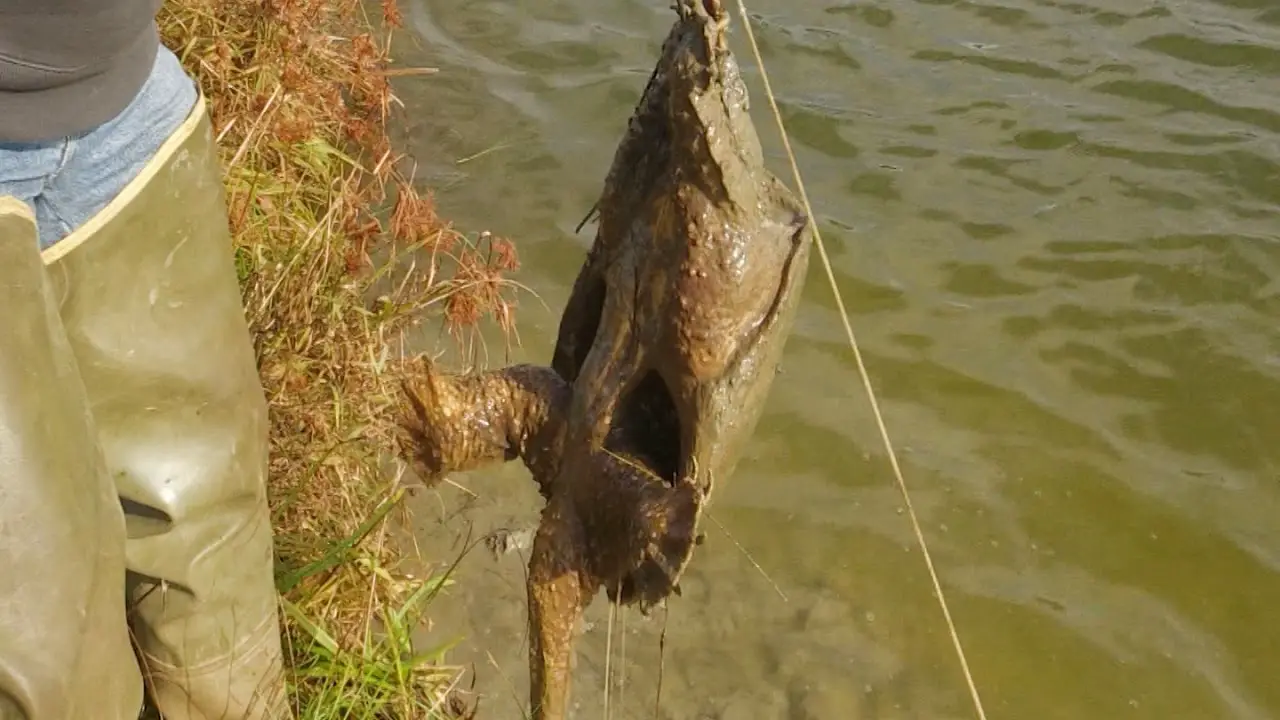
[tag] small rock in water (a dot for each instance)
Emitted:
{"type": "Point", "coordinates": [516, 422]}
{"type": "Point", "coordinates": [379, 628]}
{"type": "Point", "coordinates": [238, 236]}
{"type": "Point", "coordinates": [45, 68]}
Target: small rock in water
{"type": "Point", "coordinates": [503, 542]}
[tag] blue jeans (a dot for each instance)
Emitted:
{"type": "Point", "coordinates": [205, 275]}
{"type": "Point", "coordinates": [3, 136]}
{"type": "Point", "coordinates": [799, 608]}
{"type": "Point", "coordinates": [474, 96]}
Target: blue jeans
{"type": "Point", "coordinates": [67, 181]}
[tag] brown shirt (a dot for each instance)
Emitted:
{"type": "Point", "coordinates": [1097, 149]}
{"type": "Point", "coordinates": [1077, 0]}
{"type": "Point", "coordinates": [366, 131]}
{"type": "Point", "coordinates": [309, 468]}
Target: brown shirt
{"type": "Point", "coordinates": [67, 66]}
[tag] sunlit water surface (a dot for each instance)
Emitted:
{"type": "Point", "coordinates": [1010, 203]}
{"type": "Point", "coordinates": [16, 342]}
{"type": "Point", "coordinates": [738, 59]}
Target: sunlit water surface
{"type": "Point", "coordinates": [1055, 225]}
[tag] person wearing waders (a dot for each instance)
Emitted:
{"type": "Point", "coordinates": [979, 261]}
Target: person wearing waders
{"type": "Point", "coordinates": [133, 428]}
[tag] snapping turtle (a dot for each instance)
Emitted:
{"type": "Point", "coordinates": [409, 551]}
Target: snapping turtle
{"type": "Point", "coordinates": [665, 354]}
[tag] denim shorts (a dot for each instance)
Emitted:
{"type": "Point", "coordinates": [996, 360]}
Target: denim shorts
{"type": "Point", "coordinates": [67, 181]}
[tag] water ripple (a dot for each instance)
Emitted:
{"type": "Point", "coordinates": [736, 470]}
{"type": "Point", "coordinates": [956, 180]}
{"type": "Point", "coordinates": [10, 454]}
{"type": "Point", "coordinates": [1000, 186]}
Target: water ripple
{"type": "Point", "coordinates": [1055, 223]}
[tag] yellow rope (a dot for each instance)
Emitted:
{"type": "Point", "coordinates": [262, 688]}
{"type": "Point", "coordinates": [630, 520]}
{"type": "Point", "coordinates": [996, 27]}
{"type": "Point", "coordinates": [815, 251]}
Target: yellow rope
{"type": "Point", "coordinates": [862, 369]}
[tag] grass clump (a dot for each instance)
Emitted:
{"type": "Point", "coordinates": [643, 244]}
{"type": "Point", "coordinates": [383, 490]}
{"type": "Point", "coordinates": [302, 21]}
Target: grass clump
{"type": "Point", "coordinates": [299, 96]}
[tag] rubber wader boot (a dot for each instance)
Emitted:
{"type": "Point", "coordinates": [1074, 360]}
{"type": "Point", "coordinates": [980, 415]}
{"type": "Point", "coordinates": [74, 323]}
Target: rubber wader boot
{"type": "Point", "coordinates": [148, 295]}
{"type": "Point", "coordinates": [64, 642]}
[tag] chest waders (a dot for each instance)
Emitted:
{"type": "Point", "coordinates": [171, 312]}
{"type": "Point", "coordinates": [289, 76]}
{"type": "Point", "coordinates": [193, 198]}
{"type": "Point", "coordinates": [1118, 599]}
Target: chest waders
{"type": "Point", "coordinates": [128, 382]}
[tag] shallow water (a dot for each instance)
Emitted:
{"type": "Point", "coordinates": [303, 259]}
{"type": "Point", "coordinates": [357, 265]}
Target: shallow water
{"type": "Point", "coordinates": [1056, 226]}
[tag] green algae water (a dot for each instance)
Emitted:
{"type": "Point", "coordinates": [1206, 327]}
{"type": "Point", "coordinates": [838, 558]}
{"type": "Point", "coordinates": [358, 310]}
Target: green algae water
{"type": "Point", "coordinates": [1057, 228]}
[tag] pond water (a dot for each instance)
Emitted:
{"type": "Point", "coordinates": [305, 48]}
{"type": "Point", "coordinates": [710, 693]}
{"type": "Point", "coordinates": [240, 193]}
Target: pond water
{"type": "Point", "coordinates": [1057, 228]}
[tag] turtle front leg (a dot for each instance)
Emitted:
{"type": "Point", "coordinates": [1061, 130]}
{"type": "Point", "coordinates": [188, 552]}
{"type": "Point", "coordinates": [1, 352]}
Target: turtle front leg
{"type": "Point", "coordinates": [560, 587]}
{"type": "Point", "coordinates": [452, 423]}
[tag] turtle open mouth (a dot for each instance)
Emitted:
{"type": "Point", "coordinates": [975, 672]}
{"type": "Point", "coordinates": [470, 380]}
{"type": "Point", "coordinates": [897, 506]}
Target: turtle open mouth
{"type": "Point", "coordinates": [646, 428]}
{"type": "Point", "coordinates": [646, 432]}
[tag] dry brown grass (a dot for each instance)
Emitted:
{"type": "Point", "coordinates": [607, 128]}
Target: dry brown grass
{"type": "Point", "coordinates": [299, 96]}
